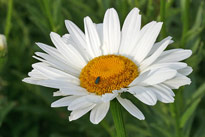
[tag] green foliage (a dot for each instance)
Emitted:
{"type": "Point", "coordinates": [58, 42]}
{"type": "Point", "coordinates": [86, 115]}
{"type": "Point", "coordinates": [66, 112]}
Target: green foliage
{"type": "Point", "coordinates": [25, 109]}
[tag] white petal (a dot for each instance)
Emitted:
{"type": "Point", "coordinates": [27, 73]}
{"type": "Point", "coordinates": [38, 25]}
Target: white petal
{"type": "Point", "coordinates": [93, 98]}
{"type": "Point", "coordinates": [185, 71]}
{"type": "Point", "coordinates": [162, 95]}
{"type": "Point", "coordinates": [111, 32]}
{"type": "Point", "coordinates": [68, 51]}
{"type": "Point", "coordinates": [59, 64]}
{"type": "Point", "coordinates": [130, 31]}
{"type": "Point", "coordinates": [79, 103]}
{"type": "Point", "coordinates": [64, 101]}
{"type": "Point", "coordinates": [56, 83]}
{"type": "Point", "coordinates": [178, 81]}
{"type": "Point", "coordinates": [174, 55]}
{"type": "Point", "coordinates": [140, 78]}
{"type": "Point", "coordinates": [155, 77]}
{"type": "Point", "coordinates": [160, 76]}
{"type": "Point", "coordinates": [148, 61]}
{"type": "Point", "coordinates": [131, 108]}
{"type": "Point", "coordinates": [149, 35]}
{"type": "Point", "coordinates": [158, 44]}
{"type": "Point", "coordinates": [52, 51]}
{"type": "Point", "coordinates": [99, 28]}
{"type": "Point", "coordinates": [92, 38]}
{"type": "Point", "coordinates": [35, 74]}
{"type": "Point", "coordinates": [76, 114]}
{"type": "Point", "coordinates": [99, 112]}
{"type": "Point", "coordinates": [109, 96]}
{"type": "Point", "coordinates": [73, 90]}
{"type": "Point", "coordinates": [171, 65]}
{"type": "Point", "coordinates": [58, 93]}
{"type": "Point", "coordinates": [165, 89]}
{"type": "Point", "coordinates": [144, 94]}
{"type": "Point", "coordinates": [76, 34]}
{"type": "Point", "coordinates": [67, 39]}
{"type": "Point", "coordinates": [78, 37]}
{"type": "Point", "coordinates": [31, 80]}
{"type": "Point", "coordinates": [52, 73]}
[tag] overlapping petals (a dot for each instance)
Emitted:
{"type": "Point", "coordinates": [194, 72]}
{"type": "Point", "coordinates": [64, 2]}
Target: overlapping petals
{"type": "Point", "coordinates": [160, 70]}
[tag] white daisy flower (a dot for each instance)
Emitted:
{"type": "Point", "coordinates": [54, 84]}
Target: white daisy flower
{"type": "Point", "coordinates": [90, 69]}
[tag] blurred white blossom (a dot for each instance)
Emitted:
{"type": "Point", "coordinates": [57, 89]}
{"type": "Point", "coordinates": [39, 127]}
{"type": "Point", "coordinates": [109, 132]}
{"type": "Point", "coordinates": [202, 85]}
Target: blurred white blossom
{"type": "Point", "coordinates": [3, 45]}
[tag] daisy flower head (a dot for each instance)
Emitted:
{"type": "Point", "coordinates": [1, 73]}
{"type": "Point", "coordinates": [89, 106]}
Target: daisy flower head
{"type": "Point", "coordinates": [93, 67]}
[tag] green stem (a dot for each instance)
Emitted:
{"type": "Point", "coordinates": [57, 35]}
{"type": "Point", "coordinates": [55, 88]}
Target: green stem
{"type": "Point", "coordinates": [176, 117]}
{"type": "Point", "coordinates": [118, 118]}
{"type": "Point", "coordinates": [185, 4]}
{"type": "Point", "coordinates": [8, 18]}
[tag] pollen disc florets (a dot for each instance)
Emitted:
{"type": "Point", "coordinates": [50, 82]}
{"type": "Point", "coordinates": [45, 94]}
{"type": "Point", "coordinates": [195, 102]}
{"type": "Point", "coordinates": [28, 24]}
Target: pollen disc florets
{"type": "Point", "coordinates": [107, 73]}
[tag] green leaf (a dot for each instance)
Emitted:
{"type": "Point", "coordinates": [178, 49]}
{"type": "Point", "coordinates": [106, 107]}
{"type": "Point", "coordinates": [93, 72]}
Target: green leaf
{"type": "Point", "coordinates": [5, 108]}
{"type": "Point", "coordinates": [196, 98]}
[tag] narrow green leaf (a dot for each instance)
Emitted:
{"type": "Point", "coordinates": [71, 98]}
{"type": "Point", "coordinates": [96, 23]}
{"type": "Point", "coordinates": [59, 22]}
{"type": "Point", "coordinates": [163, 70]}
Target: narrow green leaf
{"type": "Point", "coordinates": [196, 98]}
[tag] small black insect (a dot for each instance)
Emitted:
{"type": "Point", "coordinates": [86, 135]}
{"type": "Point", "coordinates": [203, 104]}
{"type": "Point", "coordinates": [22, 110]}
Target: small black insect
{"type": "Point", "coordinates": [97, 80]}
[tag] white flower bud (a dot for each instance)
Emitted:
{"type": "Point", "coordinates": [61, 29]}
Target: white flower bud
{"type": "Point", "coordinates": [3, 45]}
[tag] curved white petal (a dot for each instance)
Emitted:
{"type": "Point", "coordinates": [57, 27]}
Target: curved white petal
{"type": "Point", "coordinates": [162, 95]}
{"type": "Point", "coordinates": [109, 96]}
{"type": "Point", "coordinates": [178, 81]}
{"type": "Point", "coordinates": [93, 98]}
{"type": "Point", "coordinates": [154, 77]}
{"type": "Point", "coordinates": [78, 37]}
{"type": "Point", "coordinates": [171, 65]}
{"type": "Point", "coordinates": [185, 71]}
{"type": "Point", "coordinates": [158, 44]}
{"type": "Point", "coordinates": [165, 89]}
{"type": "Point", "coordinates": [52, 73]}
{"type": "Point", "coordinates": [69, 41]}
{"type": "Point", "coordinates": [36, 75]}
{"type": "Point", "coordinates": [65, 101]}
{"type": "Point", "coordinates": [131, 108]}
{"type": "Point", "coordinates": [58, 93]}
{"type": "Point", "coordinates": [79, 103]}
{"type": "Point", "coordinates": [173, 55]}
{"type": "Point", "coordinates": [130, 31]}
{"type": "Point", "coordinates": [99, 28]}
{"type": "Point", "coordinates": [51, 51]}
{"type": "Point", "coordinates": [73, 90]}
{"type": "Point", "coordinates": [68, 51]}
{"type": "Point", "coordinates": [58, 64]}
{"type": "Point", "coordinates": [76, 114]}
{"type": "Point", "coordinates": [92, 38]}
{"type": "Point", "coordinates": [148, 61]}
{"type": "Point", "coordinates": [111, 32]}
{"type": "Point", "coordinates": [149, 35]}
{"type": "Point", "coordinates": [99, 112]}
{"type": "Point", "coordinates": [144, 94]}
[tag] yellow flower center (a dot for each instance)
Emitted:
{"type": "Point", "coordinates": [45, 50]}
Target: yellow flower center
{"type": "Point", "coordinates": [107, 73]}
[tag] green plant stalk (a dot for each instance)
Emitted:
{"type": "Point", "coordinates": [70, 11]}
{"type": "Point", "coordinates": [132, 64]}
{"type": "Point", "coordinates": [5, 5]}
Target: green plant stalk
{"type": "Point", "coordinates": [49, 15]}
{"type": "Point", "coordinates": [163, 17]}
{"type": "Point", "coordinates": [8, 18]}
{"type": "Point", "coordinates": [185, 7]}
{"type": "Point", "coordinates": [109, 130]}
{"type": "Point", "coordinates": [118, 118]}
{"type": "Point", "coordinates": [176, 118]}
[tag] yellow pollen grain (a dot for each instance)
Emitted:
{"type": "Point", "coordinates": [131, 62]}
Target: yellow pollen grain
{"type": "Point", "coordinates": [114, 72]}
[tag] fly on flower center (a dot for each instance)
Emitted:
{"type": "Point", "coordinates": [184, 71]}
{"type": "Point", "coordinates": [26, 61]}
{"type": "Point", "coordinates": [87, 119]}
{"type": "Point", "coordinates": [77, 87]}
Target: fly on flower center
{"type": "Point", "coordinates": [107, 73]}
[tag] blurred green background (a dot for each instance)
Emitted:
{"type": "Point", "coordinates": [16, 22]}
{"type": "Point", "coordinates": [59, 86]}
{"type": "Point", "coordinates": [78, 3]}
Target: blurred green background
{"type": "Point", "coordinates": [25, 109]}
